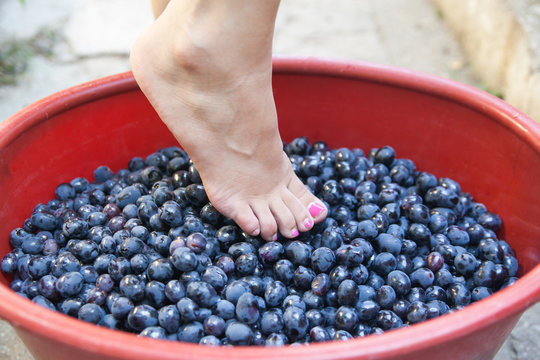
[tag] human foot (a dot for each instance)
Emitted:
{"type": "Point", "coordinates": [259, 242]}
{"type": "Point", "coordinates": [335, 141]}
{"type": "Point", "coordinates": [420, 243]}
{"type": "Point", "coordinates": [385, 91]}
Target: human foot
{"type": "Point", "coordinates": [209, 78]}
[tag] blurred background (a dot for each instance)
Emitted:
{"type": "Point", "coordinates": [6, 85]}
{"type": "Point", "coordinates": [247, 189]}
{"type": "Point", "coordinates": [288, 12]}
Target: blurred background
{"type": "Point", "coordinates": [49, 45]}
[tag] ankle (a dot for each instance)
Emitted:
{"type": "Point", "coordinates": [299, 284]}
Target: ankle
{"type": "Point", "coordinates": [194, 59]}
{"type": "Point", "coordinates": [206, 40]}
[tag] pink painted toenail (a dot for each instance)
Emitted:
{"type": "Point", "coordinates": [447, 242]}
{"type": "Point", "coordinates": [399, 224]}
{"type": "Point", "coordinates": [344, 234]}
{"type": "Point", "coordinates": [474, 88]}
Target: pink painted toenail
{"type": "Point", "coordinates": [295, 233]}
{"type": "Point", "coordinates": [255, 232]}
{"type": "Point", "coordinates": [308, 223]}
{"type": "Point", "coordinates": [315, 209]}
{"type": "Point", "coordinates": [274, 238]}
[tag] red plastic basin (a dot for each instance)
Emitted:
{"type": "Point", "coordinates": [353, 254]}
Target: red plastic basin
{"type": "Point", "coordinates": [449, 129]}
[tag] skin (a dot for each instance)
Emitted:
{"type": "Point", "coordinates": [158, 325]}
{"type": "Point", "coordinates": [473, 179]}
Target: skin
{"type": "Point", "coordinates": [206, 68]}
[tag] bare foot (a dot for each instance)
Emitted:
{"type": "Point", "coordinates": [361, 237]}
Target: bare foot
{"type": "Point", "coordinates": [206, 67]}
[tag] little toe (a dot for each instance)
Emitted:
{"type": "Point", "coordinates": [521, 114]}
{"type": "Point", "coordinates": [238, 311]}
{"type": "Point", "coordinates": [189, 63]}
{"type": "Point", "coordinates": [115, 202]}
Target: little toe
{"type": "Point", "coordinates": [314, 205]}
{"type": "Point", "coordinates": [303, 219]}
{"type": "Point", "coordinates": [267, 223]}
{"type": "Point", "coordinates": [285, 219]}
{"type": "Point", "coordinates": [247, 220]}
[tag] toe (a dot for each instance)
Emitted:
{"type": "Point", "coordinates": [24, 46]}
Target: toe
{"type": "Point", "coordinates": [303, 219]}
{"type": "Point", "coordinates": [284, 218]}
{"type": "Point", "coordinates": [267, 223]}
{"type": "Point", "coordinates": [315, 206]}
{"type": "Point", "coordinates": [242, 215]}
{"type": "Point", "coordinates": [246, 219]}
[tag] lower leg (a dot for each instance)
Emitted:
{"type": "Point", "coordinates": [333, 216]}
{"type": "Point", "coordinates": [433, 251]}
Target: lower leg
{"type": "Point", "coordinates": [158, 6]}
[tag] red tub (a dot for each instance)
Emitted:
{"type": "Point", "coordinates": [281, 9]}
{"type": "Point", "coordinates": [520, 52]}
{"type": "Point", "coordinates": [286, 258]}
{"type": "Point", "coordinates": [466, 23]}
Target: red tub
{"type": "Point", "coordinates": [448, 129]}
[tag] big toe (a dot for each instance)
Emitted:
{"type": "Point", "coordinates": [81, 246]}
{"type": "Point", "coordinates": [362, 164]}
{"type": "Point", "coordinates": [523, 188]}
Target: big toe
{"type": "Point", "coordinates": [304, 221]}
{"type": "Point", "coordinates": [314, 205]}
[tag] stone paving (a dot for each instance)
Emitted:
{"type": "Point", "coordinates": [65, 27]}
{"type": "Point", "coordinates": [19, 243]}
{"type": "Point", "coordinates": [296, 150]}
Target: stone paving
{"type": "Point", "coordinates": [93, 38]}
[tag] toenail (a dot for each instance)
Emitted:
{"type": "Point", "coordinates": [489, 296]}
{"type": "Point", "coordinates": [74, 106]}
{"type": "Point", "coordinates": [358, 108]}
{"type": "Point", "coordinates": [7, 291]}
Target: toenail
{"type": "Point", "coordinates": [308, 223]}
{"type": "Point", "coordinates": [274, 238]}
{"type": "Point", "coordinates": [255, 232]}
{"type": "Point", "coordinates": [295, 233]}
{"type": "Point", "coordinates": [315, 209]}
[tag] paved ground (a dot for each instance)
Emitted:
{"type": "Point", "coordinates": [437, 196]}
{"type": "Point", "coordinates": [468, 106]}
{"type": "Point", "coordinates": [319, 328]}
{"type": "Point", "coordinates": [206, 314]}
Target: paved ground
{"type": "Point", "coordinates": [92, 41]}
{"type": "Point", "coordinates": [502, 41]}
